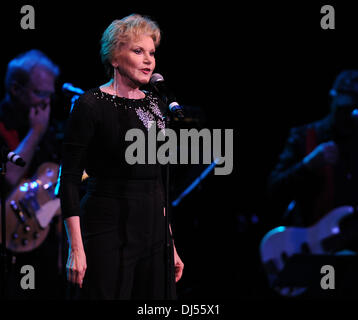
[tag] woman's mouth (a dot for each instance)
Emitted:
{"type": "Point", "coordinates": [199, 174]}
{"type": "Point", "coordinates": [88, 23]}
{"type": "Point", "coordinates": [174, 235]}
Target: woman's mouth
{"type": "Point", "coordinates": [145, 70]}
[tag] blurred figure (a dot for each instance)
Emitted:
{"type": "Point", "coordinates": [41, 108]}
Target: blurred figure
{"type": "Point", "coordinates": [318, 168]}
{"type": "Point", "coordinates": [27, 129]}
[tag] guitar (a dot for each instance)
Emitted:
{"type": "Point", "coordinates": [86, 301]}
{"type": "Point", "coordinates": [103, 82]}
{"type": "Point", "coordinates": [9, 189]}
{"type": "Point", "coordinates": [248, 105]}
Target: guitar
{"type": "Point", "coordinates": [30, 209]}
{"type": "Point", "coordinates": [281, 243]}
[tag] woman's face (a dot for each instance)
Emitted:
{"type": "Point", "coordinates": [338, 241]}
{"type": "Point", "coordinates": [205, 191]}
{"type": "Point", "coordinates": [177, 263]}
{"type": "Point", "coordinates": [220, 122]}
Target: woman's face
{"type": "Point", "coordinates": [135, 60]}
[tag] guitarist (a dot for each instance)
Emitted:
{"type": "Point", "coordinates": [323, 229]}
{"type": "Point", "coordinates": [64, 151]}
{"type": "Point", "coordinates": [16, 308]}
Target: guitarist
{"type": "Point", "coordinates": [26, 128]}
{"type": "Point", "coordinates": [318, 167]}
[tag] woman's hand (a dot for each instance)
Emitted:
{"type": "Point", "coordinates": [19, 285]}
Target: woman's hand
{"type": "Point", "coordinates": [178, 265]}
{"type": "Point", "coordinates": [76, 266]}
{"type": "Point", "coordinates": [76, 263]}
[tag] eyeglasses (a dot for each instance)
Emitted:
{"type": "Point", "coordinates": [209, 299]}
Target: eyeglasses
{"type": "Point", "coordinates": [42, 94]}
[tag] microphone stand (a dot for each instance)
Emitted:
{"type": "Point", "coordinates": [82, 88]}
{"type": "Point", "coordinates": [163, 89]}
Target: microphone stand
{"type": "Point", "coordinates": [168, 253]}
{"type": "Point", "coordinates": [169, 246]}
{"type": "Point", "coordinates": [168, 239]}
{"type": "Point", "coordinates": [4, 152]}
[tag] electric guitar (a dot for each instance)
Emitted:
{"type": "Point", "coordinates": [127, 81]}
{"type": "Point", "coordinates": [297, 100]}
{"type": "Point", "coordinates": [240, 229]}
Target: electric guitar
{"type": "Point", "coordinates": [281, 243]}
{"type": "Point", "coordinates": [30, 209]}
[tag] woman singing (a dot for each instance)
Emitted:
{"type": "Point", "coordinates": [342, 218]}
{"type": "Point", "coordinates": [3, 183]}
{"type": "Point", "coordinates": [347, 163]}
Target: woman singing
{"type": "Point", "coordinates": [117, 231]}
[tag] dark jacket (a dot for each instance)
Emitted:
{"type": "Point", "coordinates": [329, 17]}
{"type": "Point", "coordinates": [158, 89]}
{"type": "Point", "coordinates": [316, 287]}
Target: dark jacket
{"type": "Point", "coordinates": [317, 192]}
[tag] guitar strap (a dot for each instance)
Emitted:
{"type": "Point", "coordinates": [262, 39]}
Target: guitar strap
{"type": "Point", "coordinates": [324, 201]}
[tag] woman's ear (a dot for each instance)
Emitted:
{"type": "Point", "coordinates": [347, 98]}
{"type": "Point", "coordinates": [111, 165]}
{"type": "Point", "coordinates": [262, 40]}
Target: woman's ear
{"type": "Point", "coordinates": [114, 62]}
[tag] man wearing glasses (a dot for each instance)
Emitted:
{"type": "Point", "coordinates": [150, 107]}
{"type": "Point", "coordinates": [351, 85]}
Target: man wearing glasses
{"type": "Point", "coordinates": [26, 129]}
{"type": "Point", "coordinates": [25, 111]}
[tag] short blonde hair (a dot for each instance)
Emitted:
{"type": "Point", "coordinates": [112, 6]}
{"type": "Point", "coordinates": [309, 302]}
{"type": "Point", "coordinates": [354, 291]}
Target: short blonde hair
{"type": "Point", "coordinates": [122, 31]}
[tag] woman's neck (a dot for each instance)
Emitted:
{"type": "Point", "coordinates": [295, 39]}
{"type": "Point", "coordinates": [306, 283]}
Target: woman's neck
{"type": "Point", "coordinates": [119, 88]}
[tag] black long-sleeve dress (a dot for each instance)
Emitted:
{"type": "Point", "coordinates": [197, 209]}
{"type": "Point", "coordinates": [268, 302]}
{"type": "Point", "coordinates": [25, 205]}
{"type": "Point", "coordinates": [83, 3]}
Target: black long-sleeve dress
{"type": "Point", "coordinates": [122, 220]}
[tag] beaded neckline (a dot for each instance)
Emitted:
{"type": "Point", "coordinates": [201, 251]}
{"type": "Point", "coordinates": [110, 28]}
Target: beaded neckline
{"type": "Point", "coordinates": [114, 98]}
{"type": "Point", "coordinates": [122, 102]}
{"type": "Point", "coordinates": [123, 98]}
{"type": "Point", "coordinates": [146, 108]}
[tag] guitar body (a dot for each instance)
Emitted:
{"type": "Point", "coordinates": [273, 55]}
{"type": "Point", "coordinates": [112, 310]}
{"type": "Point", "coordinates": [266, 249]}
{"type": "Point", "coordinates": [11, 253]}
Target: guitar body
{"type": "Point", "coordinates": [30, 209]}
{"type": "Point", "coordinates": [281, 243]}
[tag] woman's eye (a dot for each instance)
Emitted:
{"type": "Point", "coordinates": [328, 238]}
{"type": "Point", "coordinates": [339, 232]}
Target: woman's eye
{"type": "Point", "coordinates": [137, 51]}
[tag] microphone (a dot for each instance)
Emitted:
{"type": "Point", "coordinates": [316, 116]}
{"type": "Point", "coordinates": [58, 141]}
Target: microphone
{"type": "Point", "coordinates": [70, 89]}
{"type": "Point", "coordinates": [157, 81]}
{"type": "Point", "coordinates": [7, 155]}
{"type": "Point", "coordinates": [354, 114]}
{"type": "Point", "coordinates": [15, 159]}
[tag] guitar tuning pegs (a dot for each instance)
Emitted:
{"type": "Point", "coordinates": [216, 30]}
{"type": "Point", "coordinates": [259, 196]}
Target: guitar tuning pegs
{"type": "Point", "coordinates": [24, 242]}
{"type": "Point", "coordinates": [36, 235]}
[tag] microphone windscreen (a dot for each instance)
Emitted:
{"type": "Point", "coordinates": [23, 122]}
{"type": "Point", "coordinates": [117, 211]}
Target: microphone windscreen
{"type": "Point", "coordinates": [155, 78]}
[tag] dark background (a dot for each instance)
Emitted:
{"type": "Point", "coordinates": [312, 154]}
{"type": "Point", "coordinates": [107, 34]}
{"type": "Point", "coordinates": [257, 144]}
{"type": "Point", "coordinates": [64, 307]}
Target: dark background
{"type": "Point", "coordinates": [259, 69]}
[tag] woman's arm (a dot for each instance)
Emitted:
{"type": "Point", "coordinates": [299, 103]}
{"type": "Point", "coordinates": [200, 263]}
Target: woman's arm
{"type": "Point", "coordinates": [76, 264]}
{"type": "Point", "coordinates": [78, 134]}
